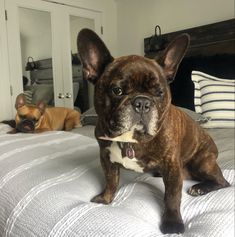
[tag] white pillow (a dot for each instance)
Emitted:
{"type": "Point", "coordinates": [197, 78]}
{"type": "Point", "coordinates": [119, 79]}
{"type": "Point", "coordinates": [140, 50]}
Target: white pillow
{"type": "Point", "coordinates": [214, 98]}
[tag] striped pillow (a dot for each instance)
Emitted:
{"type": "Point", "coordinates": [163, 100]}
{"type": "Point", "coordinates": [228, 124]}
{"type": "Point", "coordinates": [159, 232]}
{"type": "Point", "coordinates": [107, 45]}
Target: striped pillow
{"type": "Point", "coordinates": [214, 98]}
{"type": "Point", "coordinates": [28, 96]}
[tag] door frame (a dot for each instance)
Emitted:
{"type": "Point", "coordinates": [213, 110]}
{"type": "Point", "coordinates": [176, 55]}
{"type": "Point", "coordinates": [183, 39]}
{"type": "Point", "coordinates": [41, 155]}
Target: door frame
{"type": "Point", "coordinates": [6, 111]}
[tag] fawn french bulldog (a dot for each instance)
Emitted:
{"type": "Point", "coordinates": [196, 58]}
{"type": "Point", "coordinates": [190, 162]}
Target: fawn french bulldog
{"type": "Point", "coordinates": [38, 118]}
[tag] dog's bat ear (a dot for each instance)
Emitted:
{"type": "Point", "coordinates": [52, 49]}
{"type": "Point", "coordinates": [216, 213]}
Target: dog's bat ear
{"type": "Point", "coordinates": [93, 54]}
{"type": "Point", "coordinates": [20, 101]}
{"type": "Point", "coordinates": [173, 55]}
{"type": "Point", "coordinates": [41, 106]}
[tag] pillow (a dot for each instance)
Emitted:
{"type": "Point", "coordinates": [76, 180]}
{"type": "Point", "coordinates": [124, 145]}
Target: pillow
{"type": "Point", "coordinates": [43, 92]}
{"type": "Point", "coordinates": [195, 116]}
{"type": "Point", "coordinates": [89, 117]}
{"type": "Point", "coordinates": [214, 98]}
{"type": "Point", "coordinates": [28, 96]}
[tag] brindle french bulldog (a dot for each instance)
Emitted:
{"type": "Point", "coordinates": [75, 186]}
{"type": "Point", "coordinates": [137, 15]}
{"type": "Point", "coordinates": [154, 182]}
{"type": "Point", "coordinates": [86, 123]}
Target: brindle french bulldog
{"type": "Point", "coordinates": [139, 129]}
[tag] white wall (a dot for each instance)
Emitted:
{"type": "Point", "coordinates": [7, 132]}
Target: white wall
{"type": "Point", "coordinates": [138, 18]}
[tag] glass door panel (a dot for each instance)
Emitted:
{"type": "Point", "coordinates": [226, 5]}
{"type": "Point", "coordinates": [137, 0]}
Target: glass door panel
{"type": "Point", "coordinates": [36, 55]}
{"type": "Point", "coordinates": [83, 91]}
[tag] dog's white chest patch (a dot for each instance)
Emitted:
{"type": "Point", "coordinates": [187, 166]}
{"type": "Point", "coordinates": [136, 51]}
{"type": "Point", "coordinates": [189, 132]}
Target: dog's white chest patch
{"type": "Point", "coordinates": [125, 161]}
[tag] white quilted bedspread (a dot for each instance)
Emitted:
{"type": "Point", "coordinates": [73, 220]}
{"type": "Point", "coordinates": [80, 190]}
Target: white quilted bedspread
{"type": "Point", "coordinates": [48, 179]}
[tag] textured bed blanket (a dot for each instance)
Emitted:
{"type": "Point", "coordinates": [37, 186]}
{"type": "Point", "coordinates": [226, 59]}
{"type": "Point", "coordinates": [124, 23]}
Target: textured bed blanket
{"type": "Point", "coordinates": [48, 179]}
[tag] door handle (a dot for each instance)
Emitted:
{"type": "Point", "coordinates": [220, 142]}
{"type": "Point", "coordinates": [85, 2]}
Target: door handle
{"type": "Point", "coordinates": [68, 95]}
{"type": "Point", "coordinates": [61, 96]}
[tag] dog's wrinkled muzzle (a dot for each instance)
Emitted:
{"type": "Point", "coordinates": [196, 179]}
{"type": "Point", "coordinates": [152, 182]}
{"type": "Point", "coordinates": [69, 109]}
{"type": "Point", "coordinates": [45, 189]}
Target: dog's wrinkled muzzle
{"type": "Point", "coordinates": [26, 126]}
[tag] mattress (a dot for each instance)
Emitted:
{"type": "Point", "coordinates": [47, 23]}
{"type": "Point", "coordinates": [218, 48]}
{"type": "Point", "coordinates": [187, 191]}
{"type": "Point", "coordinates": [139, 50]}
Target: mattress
{"type": "Point", "coordinates": [48, 179]}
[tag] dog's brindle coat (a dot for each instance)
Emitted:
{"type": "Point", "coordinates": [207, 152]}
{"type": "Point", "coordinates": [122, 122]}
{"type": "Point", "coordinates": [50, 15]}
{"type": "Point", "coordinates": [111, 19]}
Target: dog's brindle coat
{"type": "Point", "coordinates": [138, 128]}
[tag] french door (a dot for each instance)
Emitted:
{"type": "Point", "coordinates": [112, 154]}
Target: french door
{"type": "Point", "coordinates": [42, 51]}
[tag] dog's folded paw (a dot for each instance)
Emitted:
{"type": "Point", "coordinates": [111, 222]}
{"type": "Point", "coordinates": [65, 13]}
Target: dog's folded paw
{"type": "Point", "coordinates": [196, 191]}
{"type": "Point", "coordinates": [101, 198]}
{"type": "Point", "coordinates": [206, 187]}
{"type": "Point", "coordinates": [13, 131]}
{"type": "Point", "coordinates": [170, 227]}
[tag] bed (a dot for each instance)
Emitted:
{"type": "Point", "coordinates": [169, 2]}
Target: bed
{"type": "Point", "coordinates": [48, 179]}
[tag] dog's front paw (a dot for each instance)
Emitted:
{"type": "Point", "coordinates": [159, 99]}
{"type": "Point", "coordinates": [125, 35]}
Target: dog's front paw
{"type": "Point", "coordinates": [169, 227]}
{"type": "Point", "coordinates": [13, 131]}
{"type": "Point", "coordinates": [101, 198]}
{"type": "Point", "coordinates": [206, 187]}
{"type": "Point", "coordinates": [197, 190]}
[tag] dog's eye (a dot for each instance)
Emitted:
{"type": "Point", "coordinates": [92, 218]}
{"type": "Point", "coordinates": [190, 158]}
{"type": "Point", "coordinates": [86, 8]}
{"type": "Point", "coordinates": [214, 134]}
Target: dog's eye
{"type": "Point", "coordinates": [22, 117]}
{"type": "Point", "coordinates": [35, 120]}
{"type": "Point", "coordinates": [117, 90]}
{"type": "Point", "coordinates": [159, 93]}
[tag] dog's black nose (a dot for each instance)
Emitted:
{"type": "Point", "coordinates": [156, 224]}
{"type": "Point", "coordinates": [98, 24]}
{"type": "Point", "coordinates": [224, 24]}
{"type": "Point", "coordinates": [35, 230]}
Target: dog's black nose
{"type": "Point", "coordinates": [141, 104]}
